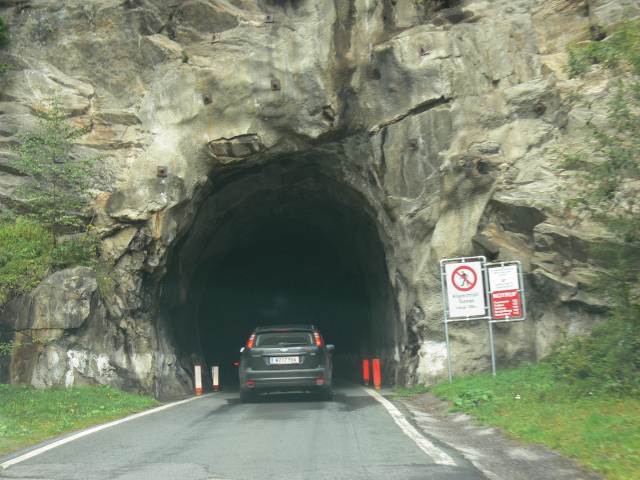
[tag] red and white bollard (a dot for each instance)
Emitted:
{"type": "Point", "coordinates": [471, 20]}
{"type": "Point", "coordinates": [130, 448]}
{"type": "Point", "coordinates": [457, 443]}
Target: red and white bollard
{"type": "Point", "coordinates": [216, 378]}
{"type": "Point", "coordinates": [365, 368]}
{"type": "Point", "coordinates": [198, 375]}
{"type": "Point", "coordinates": [376, 372]}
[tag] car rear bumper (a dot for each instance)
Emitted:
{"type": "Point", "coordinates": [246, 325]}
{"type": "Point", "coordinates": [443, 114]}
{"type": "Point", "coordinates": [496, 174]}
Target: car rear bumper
{"type": "Point", "coordinates": [285, 380]}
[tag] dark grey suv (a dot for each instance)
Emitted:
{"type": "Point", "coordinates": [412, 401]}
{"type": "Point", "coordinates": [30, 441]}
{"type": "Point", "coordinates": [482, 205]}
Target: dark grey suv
{"type": "Point", "coordinates": [285, 358]}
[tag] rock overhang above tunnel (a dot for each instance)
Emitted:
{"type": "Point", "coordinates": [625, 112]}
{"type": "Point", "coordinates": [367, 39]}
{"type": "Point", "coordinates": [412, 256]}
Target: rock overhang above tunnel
{"type": "Point", "coordinates": [238, 207]}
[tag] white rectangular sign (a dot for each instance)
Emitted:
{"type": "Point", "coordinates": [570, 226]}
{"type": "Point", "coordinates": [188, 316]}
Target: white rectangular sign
{"type": "Point", "coordinates": [503, 278]}
{"type": "Point", "coordinates": [465, 289]}
{"type": "Point", "coordinates": [504, 285]}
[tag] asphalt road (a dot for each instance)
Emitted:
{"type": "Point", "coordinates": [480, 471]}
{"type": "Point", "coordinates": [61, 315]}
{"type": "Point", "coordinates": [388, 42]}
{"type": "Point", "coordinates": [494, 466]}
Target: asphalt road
{"type": "Point", "coordinates": [359, 435]}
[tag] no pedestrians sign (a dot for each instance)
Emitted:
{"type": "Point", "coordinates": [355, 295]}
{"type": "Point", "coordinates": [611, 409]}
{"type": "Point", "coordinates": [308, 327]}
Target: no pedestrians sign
{"type": "Point", "coordinates": [465, 289]}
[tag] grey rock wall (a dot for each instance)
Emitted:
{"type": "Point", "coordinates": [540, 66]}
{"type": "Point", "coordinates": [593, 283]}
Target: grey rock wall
{"type": "Point", "coordinates": [433, 134]}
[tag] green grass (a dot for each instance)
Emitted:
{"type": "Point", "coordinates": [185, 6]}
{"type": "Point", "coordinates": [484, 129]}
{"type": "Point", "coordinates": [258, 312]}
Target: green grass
{"type": "Point", "coordinates": [28, 415]}
{"type": "Point", "coordinates": [600, 431]}
{"type": "Point", "coordinates": [405, 393]}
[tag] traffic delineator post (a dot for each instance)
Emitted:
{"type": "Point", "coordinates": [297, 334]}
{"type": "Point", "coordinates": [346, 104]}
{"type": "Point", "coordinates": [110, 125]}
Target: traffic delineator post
{"type": "Point", "coordinates": [376, 372]}
{"type": "Point", "coordinates": [198, 379]}
{"type": "Point", "coordinates": [216, 378]}
{"type": "Point", "coordinates": [365, 368]}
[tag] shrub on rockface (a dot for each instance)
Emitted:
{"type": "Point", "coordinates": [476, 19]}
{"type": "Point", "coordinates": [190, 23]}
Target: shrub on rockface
{"type": "Point", "coordinates": [4, 34]}
{"type": "Point", "coordinates": [24, 248]}
{"type": "Point", "coordinates": [28, 255]}
{"type": "Point", "coordinates": [48, 205]}
{"type": "Point", "coordinates": [609, 177]}
{"type": "Point", "coordinates": [4, 39]}
{"type": "Point", "coordinates": [56, 191]}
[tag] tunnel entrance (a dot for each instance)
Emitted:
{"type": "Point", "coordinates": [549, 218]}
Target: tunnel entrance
{"type": "Point", "coordinates": [288, 274]}
{"type": "Point", "coordinates": [282, 244]}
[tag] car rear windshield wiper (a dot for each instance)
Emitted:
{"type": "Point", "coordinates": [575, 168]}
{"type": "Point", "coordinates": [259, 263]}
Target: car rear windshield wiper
{"type": "Point", "coordinates": [291, 344]}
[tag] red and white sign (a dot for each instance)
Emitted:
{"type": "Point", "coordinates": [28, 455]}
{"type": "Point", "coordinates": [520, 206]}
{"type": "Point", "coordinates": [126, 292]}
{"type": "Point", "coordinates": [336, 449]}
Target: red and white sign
{"type": "Point", "coordinates": [506, 304]}
{"type": "Point", "coordinates": [465, 289]}
{"type": "Point", "coordinates": [504, 285]}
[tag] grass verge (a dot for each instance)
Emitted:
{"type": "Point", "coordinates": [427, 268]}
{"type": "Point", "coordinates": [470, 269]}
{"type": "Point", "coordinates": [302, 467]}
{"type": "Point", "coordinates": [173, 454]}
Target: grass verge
{"type": "Point", "coordinates": [405, 393]}
{"type": "Point", "coordinates": [599, 431]}
{"type": "Point", "coordinates": [28, 415]}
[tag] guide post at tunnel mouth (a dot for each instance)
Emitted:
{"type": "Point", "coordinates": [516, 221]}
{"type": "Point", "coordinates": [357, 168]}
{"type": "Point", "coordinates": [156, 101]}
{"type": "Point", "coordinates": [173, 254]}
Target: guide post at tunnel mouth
{"type": "Point", "coordinates": [475, 290]}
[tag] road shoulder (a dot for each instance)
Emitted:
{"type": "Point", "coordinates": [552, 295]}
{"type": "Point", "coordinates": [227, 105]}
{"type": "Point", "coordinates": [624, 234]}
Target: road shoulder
{"type": "Point", "coordinates": [496, 455]}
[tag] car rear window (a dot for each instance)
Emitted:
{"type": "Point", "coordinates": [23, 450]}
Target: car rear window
{"type": "Point", "coordinates": [284, 339]}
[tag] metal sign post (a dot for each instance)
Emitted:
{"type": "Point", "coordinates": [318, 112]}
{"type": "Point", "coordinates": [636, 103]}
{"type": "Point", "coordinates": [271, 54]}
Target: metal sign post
{"type": "Point", "coordinates": [463, 293]}
{"type": "Point", "coordinates": [506, 289]}
{"type": "Point", "coordinates": [475, 290]}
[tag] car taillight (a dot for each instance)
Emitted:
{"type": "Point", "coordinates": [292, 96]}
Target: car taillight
{"type": "Point", "coordinates": [250, 384]}
{"type": "Point", "coordinates": [318, 339]}
{"type": "Point", "coordinates": [250, 342]}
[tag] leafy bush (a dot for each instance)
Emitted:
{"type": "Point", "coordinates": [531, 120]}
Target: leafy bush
{"type": "Point", "coordinates": [468, 399]}
{"type": "Point", "coordinates": [607, 360]}
{"type": "Point", "coordinates": [28, 255]}
{"type": "Point", "coordinates": [619, 49]}
{"type": "Point", "coordinates": [24, 248]}
{"type": "Point", "coordinates": [4, 39]}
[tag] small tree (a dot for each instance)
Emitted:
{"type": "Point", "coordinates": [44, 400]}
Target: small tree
{"type": "Point", "coordinates": [59, 182]}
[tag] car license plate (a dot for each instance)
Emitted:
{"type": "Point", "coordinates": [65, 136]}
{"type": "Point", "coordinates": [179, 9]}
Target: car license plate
{"type": "Point", "coordinates": [284, 360]}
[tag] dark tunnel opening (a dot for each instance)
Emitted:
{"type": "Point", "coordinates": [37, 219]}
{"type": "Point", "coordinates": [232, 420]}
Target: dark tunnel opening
{"type": "Point", "coordinates": [288, 274]}
{"type": "Point", "coordinates": [292, 248]}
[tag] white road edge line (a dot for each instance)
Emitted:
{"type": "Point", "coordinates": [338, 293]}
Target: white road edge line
{"type": "Point", "coordinates": [409, 430]}
{"type": "Point", "coordinates": [89, 431]}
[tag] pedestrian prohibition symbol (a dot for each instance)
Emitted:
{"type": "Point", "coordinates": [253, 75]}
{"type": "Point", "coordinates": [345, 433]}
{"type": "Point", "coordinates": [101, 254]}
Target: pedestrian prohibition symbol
{"type": "Point", "coordinates": [464, 278]}
{"type": "Point", "coordinates": [465, 292]}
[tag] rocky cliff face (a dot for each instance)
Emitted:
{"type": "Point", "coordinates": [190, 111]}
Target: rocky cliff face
{"type": "Point", "coordinates": [367, 140]}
